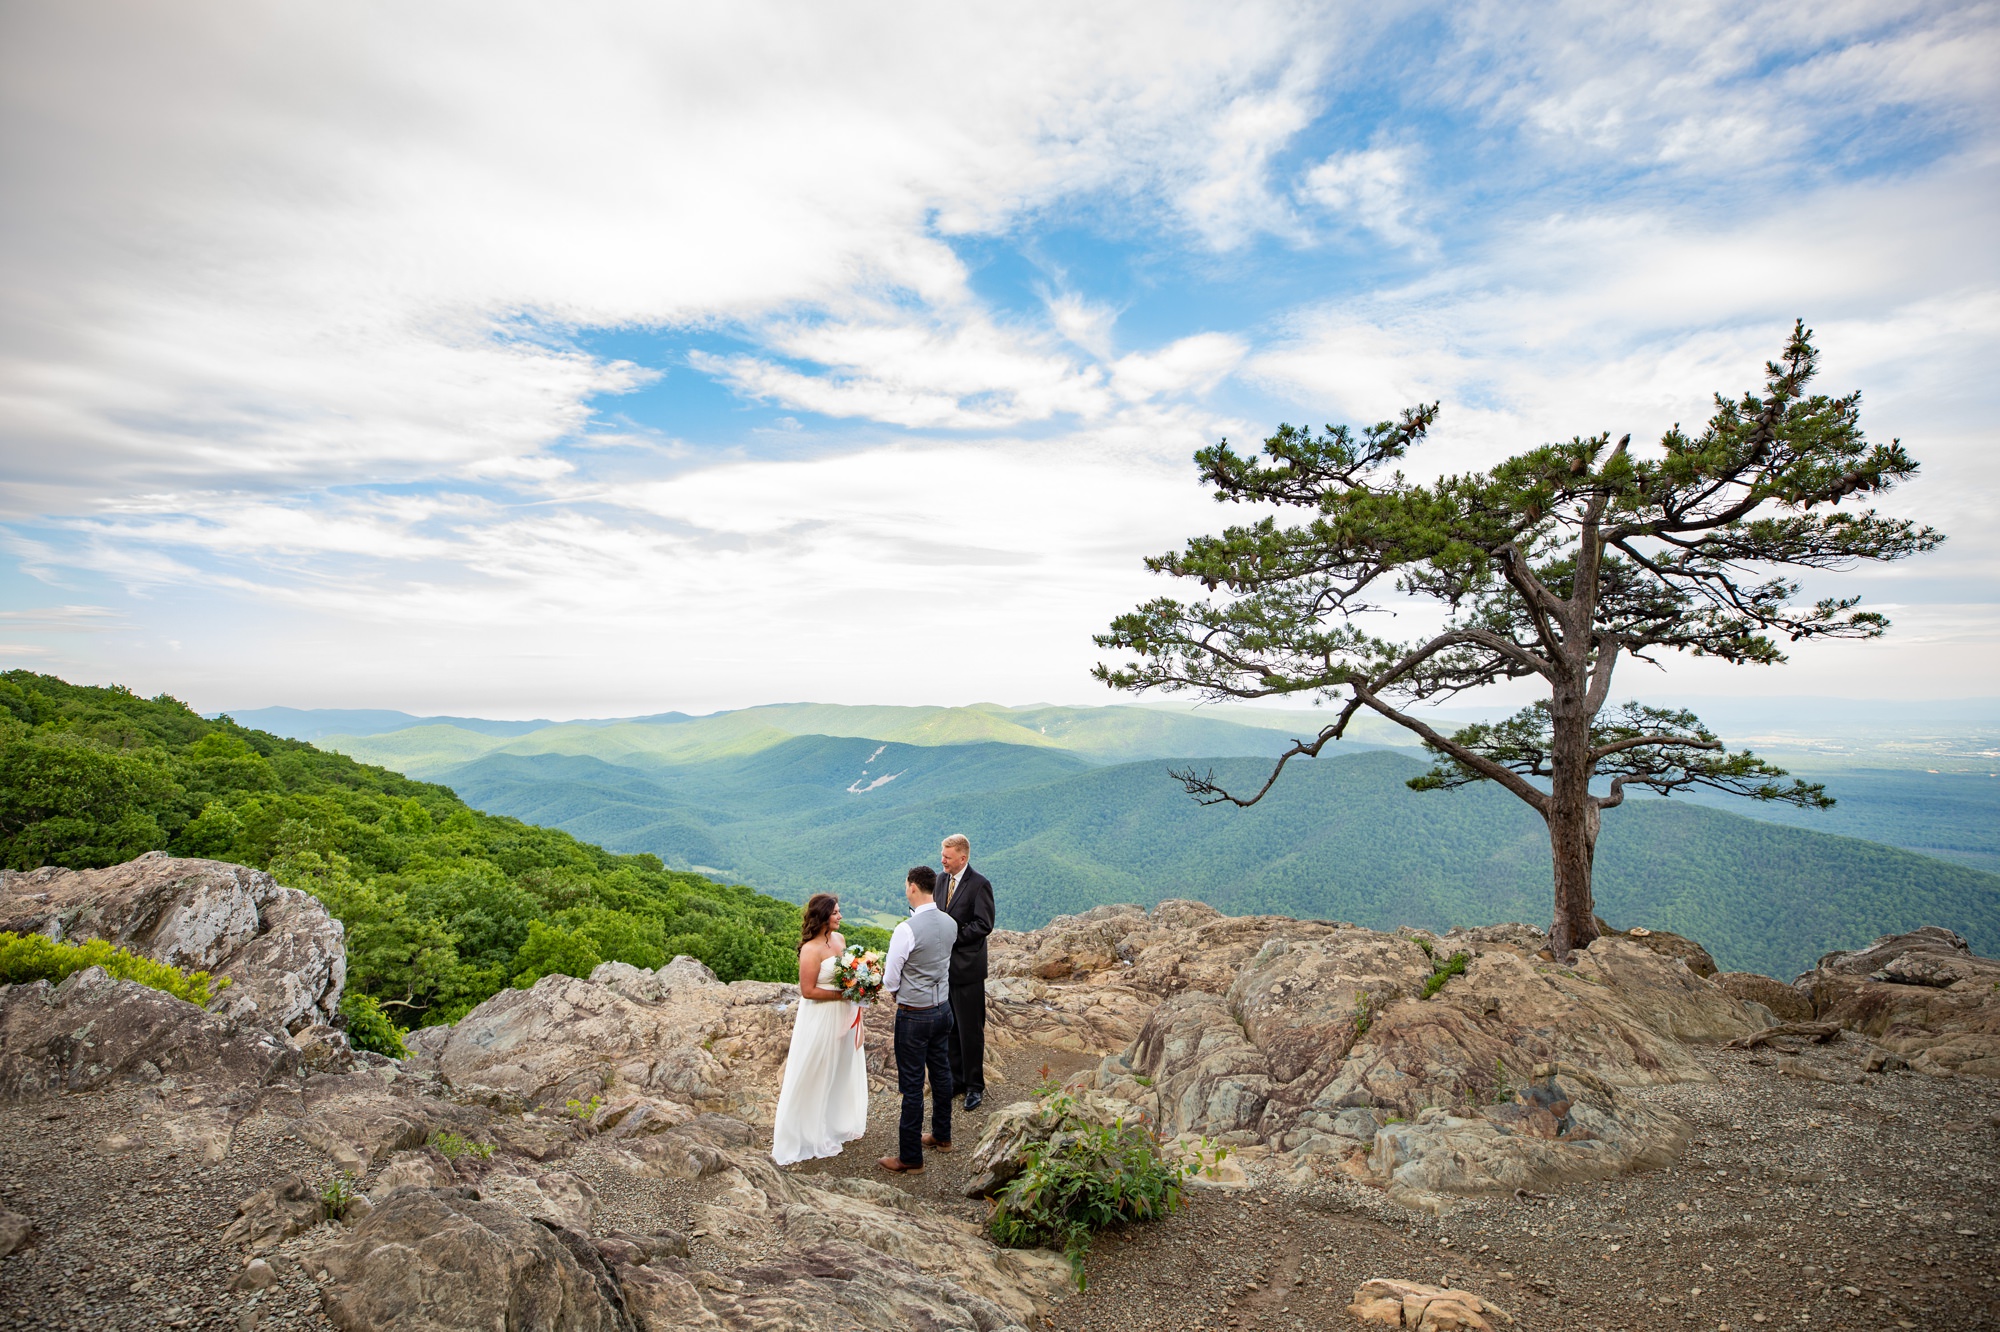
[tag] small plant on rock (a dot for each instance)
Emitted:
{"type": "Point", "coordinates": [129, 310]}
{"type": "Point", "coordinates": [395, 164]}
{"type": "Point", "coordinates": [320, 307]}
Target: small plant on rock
{"type": "Point", "coordinates": [1501, 1091]}
{"type": "Point", "coordinates": [584, 1111]}
{"type": "Point", "coordinates": [1364, 1013]}
{"type": "Point", "coordinates": [338, 1194]}
{"type": "Point", "coordinates": [452, 1145]}
{"type": "Point", "coordinates": [1048, 1084]}
{"type": "Point", "coordinates": [1444, 971]}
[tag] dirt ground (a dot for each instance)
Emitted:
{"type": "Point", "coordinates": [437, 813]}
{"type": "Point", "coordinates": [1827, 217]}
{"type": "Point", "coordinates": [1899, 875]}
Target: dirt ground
{"type": "Point", "coordinates": [1800, 1203]}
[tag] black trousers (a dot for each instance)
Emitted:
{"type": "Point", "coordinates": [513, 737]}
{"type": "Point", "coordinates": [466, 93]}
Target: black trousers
{"type": "Point", "coordinates": [921, 1047]}
{"type": "Point", "coordinates": [968, 1036]}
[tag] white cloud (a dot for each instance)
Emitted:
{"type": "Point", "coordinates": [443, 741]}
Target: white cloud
{"type": "Point", "coordinates": [294, 245]}
{"type": "Point", "coordinates": [1371, 186]}
{"type": "Point", "coordinates": [291, 304]}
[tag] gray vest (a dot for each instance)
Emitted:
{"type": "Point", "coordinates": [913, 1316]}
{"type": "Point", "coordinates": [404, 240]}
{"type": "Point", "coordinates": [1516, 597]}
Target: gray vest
{"type": "Point", "coordinates": [927, 970]}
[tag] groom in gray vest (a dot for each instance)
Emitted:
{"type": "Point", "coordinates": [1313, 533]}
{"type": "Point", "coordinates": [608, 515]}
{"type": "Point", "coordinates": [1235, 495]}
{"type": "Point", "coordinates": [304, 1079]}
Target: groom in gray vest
{"type": "Point", "coordinates": [917, 976]}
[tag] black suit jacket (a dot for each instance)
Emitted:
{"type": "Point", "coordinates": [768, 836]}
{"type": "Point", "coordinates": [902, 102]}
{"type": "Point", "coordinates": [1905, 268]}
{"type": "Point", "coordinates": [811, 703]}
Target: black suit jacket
{"type": "Point", "coordinates": [972, 907]}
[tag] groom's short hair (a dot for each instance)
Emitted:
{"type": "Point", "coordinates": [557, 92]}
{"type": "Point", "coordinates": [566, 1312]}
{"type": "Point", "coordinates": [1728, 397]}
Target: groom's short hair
{"type": "Point", "coordinates": [924, 879]}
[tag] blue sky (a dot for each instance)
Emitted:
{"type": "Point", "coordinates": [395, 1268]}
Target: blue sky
{"type": "Point", "coordinates": [624, 358]}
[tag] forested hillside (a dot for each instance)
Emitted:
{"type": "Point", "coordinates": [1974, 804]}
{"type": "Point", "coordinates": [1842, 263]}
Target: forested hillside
{"type": "Point", "coordinates": [443, 904]}
{"type": "Point", "coordinates": [1339, 838]}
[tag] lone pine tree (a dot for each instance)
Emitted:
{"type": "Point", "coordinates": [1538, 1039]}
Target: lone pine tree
{"type": "Point", "coordinates": [1550, 567]}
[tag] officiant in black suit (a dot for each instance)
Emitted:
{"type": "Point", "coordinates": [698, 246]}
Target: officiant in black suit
{"type": "Point", "coordinates": [964, 894]}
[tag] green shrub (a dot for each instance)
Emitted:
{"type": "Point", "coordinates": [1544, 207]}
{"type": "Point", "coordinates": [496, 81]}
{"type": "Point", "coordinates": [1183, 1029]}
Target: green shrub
{"type": "Point", "coordinates": [338, 1194]}
{"type": "Point", "coordinates": [1444, 971]}
{"type": "Point", "coordinates": [33, 957]}
{"type": "Point", "coordinates": [452, 1145]}
{"type": "Point", "coordinates": [369, 1028]}
{"type": "Point", "coordinates": [1086, 1177]}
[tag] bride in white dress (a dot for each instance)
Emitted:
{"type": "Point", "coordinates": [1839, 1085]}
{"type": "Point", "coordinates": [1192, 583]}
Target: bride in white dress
{"type": "Point", "coordinates": [824, 1100]}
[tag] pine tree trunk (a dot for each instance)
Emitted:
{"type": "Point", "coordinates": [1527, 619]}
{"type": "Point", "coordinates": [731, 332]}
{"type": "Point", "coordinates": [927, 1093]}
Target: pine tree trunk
{"type": "Point", "coordinates": [1573, 821]}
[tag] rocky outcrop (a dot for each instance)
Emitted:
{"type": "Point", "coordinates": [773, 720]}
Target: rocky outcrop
{"type": "Point", "coordinates": [283, 955]}
{"type": "Point", "coordinates": [703, 1043]}
{"type": "Point", "coordinates": [1564, 1128]}
{"type": "Point", "coordinates": [270, 1216]}
{"type": "Point", "coordinates": [1412, 1304]}
{"type": "Point", "coordinates": [1674, 946]}
{"type": "Point", "coordinates": [1301, 1044]}
{"type": "Point", "coordinates": [1788, 1003]}
{"type": "Point", "coordinates": [1924, 996]}
{"type": "Point", "coordinates": [92, 1028]}
{"type": "Point", "coordinates": [1325, 1020]}
{"type": "Point", "coordinates": [443, 1259]}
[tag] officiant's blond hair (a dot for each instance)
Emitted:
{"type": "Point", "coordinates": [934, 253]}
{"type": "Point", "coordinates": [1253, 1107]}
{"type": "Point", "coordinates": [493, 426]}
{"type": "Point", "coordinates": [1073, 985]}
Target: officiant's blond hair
{"type": "Point", "coordinates": [959, 840]}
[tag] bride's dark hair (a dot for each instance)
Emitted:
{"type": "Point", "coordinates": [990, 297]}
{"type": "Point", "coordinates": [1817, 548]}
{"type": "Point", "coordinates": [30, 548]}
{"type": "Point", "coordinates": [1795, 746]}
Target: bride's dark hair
{"type": "Point", "coordinates": [819, 917]}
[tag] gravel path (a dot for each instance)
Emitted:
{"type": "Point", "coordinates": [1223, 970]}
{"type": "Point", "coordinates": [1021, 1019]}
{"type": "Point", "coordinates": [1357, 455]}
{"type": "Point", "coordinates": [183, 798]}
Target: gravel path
{"type": "Point", "coordinates": [132, 1238]}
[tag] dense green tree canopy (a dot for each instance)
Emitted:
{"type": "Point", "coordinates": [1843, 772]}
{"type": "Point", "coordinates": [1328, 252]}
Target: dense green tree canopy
{"type": "Point", "coordinates": [443, 905]}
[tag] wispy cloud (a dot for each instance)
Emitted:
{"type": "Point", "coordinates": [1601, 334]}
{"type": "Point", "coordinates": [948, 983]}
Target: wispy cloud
{"type": "Point", "coordinates": [650, 356]}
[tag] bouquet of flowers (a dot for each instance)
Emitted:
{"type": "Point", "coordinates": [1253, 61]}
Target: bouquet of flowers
{"type": "Point", "coordinates": [859, 973]}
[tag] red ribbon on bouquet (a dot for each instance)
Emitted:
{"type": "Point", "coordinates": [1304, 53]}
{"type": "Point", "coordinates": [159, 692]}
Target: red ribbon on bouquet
{"type": "Point", "coordinates": [855, 1026]}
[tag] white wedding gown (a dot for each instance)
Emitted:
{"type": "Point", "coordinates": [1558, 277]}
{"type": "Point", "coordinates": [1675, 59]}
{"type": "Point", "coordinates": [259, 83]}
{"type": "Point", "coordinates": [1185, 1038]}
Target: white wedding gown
{"type": "Point", "coordinates": [824, 1100]}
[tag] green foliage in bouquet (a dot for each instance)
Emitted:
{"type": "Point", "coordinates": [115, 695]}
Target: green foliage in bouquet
{"type": "Point", "coordinates": [1087, 1177]}
{"type": "Point", "coordinates": [33, 957]}
{"type": "Point", "coordinates": [444, 905]}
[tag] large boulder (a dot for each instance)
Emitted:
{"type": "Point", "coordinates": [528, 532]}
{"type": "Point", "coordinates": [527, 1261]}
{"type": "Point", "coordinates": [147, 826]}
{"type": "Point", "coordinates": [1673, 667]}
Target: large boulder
{"type": "Point", "coordinates": [1562, 1128]}
{"type": "Point", "coordinates": [1924, 995]}
{"type": "Point", "coordinates": [428, 1260]}
{"type": "Point", "coordinates": [1335, 1021]}
{"type": "Point", "coordinates": [702, 1043]}
{"type": "Point", "coordinates": [1788, 1003]}
{"type": "Point", "coordinates": [283, 955]}
{"type": "Point", "coordinates": [93, 1028]}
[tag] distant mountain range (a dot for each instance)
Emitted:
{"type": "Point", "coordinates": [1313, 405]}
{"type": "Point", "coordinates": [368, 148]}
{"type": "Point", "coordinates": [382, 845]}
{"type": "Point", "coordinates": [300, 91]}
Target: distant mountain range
{"type": "Point", "coordinates": [1072, 807]}
{"type": "Point", "coordinates": [425, 745]}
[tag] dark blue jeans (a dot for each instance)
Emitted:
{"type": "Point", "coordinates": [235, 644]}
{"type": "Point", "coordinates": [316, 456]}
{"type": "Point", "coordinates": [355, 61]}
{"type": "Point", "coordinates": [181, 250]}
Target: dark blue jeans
{"type": "Point", "coordinates": [923, 1041]}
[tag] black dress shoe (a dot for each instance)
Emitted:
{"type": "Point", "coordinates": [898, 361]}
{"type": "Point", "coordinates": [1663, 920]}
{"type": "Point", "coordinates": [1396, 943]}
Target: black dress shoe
{"type": "Point", "coordinates": [973, 1098]}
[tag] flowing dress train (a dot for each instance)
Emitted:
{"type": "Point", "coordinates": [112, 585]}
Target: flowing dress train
{"type": "Point", "coordinates": [823, 1102]}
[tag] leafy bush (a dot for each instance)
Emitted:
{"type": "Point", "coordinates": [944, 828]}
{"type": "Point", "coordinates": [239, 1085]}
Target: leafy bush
{"type": "Point", "coordinates": [1087, 1177]}
{"type": "Point", "coordinates": [33, 957]}
{"type": "Point", "coordinates": [369, 1028]}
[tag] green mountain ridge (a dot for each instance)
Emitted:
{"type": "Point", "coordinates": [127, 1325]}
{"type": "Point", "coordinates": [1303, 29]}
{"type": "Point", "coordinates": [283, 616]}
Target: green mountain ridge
{"type": "Point", "coordinates": [1114, 734]}
{"type": "Point", "coordinates": [1339, 838]}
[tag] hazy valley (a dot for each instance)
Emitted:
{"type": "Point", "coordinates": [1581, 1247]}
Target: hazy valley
{"type": "Point", "coordinates": [1073, 807]}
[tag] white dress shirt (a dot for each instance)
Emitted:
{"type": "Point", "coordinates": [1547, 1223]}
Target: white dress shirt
{"type": "Point", "coordinates": [901, 940]}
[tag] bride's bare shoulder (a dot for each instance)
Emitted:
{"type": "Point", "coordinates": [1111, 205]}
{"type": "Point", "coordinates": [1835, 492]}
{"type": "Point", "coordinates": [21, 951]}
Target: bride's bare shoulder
{"type": "Point", "coordinates": [835, 940]}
